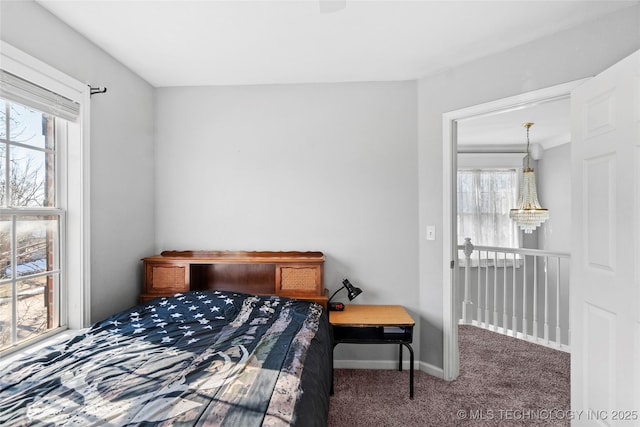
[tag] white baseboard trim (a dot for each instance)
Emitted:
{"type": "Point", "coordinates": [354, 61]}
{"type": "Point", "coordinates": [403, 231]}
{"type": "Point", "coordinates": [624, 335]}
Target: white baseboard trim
{"type": "Point", "coordinates": [431, 369]}
{"type": "Point", "coordinates": [509, 332]}
{"type": "Point", "coordinates": [388, 364]}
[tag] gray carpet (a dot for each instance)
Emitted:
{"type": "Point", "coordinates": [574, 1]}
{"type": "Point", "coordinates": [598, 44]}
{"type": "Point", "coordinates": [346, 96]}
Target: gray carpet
{"type": "Point", "coordinates": [503, 382]}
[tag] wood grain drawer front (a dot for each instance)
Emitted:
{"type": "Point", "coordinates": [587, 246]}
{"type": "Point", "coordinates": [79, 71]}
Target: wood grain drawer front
{"type": "Point", "coordinates": [166, 278]}
{"type": "Point", "coordinates": [299, 280]}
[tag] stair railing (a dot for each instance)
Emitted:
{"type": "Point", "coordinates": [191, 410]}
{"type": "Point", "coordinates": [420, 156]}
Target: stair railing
{"type": "Point", "coordinates": [519, 292]}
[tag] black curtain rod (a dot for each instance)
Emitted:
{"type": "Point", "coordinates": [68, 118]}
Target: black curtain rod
{"type": "Point", "coordinates": [94, 90]}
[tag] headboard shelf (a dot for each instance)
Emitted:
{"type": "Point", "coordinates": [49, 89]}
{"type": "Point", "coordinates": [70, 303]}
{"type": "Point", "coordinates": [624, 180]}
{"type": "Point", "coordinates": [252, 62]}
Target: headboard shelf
{"type": "Point", "coordinates": [247, 257]}
{"type": "Point", "coordinates": [288, 273]}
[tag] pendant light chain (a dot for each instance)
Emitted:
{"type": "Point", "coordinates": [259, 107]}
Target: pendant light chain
{"type": "Point", "coordinates": [528, 126]}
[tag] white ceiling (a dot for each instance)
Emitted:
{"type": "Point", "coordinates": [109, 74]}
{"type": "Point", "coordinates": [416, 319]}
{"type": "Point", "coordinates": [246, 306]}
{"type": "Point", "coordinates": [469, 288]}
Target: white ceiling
{"type": "Point", "coordinates": [187, 43]}
{"type": "Point", "coordinates": [193, 43]}
{"type": "Point", "coordinates": [505, 129]}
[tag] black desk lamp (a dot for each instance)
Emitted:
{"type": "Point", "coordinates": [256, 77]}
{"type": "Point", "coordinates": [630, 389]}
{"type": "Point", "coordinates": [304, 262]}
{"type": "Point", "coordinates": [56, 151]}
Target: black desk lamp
{"type": "Point", "coordinates": [352, 293]}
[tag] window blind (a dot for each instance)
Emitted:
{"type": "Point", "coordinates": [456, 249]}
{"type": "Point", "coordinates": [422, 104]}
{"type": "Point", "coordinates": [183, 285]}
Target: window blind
{"type": "Point", "coordinates": [18, 90]}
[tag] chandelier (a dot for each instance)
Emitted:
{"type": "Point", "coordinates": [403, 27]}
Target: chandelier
{"type": "Point", "coordinates": [529, 215]}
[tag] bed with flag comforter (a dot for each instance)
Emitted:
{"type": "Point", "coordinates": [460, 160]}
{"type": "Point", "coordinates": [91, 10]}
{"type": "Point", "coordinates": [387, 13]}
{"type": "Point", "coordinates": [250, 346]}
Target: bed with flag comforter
{"type": "Point", "coordinates": [203, 358]}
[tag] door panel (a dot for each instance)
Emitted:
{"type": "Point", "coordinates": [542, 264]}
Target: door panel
{"type": "Point", "coordinates": [600, 357]}
{"type": "Point", "coordinates": [599, 211]}
{"type": "Point", "coordinates": [605, 283]}
{"type": "Point", "coordinates": [600, 117]}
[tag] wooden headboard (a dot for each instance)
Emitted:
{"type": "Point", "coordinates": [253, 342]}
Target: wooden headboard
{"type": "Point", "coordinates": [290, 274]}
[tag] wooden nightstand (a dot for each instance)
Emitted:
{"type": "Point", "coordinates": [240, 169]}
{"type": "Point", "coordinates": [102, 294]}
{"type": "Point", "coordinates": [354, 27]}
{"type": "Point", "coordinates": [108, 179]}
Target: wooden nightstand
{"type": "Point", "coordinates": [375, 324]}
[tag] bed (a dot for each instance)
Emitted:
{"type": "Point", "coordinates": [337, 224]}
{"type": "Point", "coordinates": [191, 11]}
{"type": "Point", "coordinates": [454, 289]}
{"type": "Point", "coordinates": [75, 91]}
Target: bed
{"type": "Point", "coordinates": [201, 357]}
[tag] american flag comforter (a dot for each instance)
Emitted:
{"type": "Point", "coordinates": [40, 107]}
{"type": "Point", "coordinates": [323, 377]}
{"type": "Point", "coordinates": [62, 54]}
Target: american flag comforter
{"type": "Point", "coordinates": [203, 358]}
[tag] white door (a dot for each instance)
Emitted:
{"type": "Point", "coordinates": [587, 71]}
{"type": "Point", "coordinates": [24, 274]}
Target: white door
{"type": "Point", "coordinates": [605, 251]}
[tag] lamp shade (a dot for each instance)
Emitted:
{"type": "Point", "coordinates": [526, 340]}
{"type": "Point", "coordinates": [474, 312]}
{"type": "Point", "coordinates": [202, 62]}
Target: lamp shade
{"type": "Point", "coordinates": [352, 291]}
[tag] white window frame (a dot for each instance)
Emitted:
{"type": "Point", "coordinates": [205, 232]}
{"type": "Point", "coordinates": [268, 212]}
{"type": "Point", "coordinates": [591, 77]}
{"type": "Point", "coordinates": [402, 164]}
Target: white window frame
{"type": "Point", "coordinates": [73, 191]}
{"type": "Point", "coordinates": [488, 160]}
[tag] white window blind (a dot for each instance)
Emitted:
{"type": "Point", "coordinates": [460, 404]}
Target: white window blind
{"type": "Point", "coordinates": [15, 89]}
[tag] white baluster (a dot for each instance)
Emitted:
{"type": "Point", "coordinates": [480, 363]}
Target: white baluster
{"type": "Point", "coordinates": [535, 298]}
{"type": "Point", "coordinates": [466, 304]}
{"type": "Point", "coordinates": [569, 324]}
{"type": "Point", "coordinates": [524, 296]}
{"type": "Point", "coordinates": [514, 320]}
{"type": "Point", "coordinates": [546, 300]}
{"type": "Point", "coordinates": [505, 318]}
{"type": "Point", "coordinates": [495, 291]}
{"type": "Point", "coordinates": [558, 333]}
{"type": "Point", "coordinates": [479, 315]}
{"type": "Point", "coordinates": [487, 320]}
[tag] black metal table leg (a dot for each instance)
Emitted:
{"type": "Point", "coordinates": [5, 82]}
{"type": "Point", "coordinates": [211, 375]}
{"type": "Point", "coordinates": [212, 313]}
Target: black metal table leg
{"type": "Point", "coordinates": [410, 370]}
{"type": "Point", "coordinates": [400, 358]}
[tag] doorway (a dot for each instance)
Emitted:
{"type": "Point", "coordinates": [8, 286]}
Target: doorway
{"type": "Point", "coordinates": [451, 128]}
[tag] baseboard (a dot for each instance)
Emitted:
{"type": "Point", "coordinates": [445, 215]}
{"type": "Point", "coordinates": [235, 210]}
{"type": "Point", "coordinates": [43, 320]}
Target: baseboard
{"type": "Point", "coordinates": [388, 364]}
{"type": "Point", "coordinates": [431, 369]}
{"type": "Point", "coordinates": [519, 335]}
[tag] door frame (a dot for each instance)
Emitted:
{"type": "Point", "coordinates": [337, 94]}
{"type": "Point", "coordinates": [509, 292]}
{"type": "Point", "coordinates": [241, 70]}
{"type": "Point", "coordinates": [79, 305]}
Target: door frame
{"type": "Point", "coordinates": [450, 121]}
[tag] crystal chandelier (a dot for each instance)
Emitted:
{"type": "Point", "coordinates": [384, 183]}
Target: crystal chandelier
{"type": "Point", "coordinates": [528, 215]}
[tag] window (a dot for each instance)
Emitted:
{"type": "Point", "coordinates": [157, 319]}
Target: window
{"type": "Point", "coordinates": [44, 262]}
{"type": "Point", "coordinates": [30, 222]}
{"type": "Point", "coordinates": [485, 197]}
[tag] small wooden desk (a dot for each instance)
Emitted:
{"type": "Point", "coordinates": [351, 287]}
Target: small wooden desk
{"type": "Point", "coordinates": [375, 324]}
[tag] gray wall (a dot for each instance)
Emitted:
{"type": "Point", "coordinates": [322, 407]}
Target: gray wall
{"type": "Point", "coordinates": [570, 55]}
{"type": "Point", "coordinates": [329, 167]}
{"type": "Point", "coordinates": [554, 181]}
{"type": "Point", "coordinates": [553, 176]}
{"type": "Point", "coordinates": [122, 153]}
